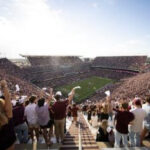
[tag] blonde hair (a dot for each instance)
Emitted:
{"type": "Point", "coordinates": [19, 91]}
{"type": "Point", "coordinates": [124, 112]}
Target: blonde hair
{"type": "Point", "coordinates": [3, 117]}
{"type": "Point", "coordinates": [104, 125]}
{"type": "Point", "coordinates": [105, 108]}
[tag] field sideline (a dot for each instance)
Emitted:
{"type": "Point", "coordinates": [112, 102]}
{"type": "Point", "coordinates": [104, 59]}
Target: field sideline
{"type": "Point", "coordinates": [88, 87]}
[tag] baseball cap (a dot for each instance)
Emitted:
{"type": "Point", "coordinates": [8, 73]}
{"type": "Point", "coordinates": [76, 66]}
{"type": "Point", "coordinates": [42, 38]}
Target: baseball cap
{"type": "Point", "coordinates": [58, 93]}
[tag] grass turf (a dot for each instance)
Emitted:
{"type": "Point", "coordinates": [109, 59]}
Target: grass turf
{"type": "Point", "coordinates": [88, 87]}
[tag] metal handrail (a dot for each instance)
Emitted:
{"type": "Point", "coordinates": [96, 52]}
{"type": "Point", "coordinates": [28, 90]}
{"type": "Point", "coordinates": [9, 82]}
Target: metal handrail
{"type": "Point", "coordinates": [80, 140]}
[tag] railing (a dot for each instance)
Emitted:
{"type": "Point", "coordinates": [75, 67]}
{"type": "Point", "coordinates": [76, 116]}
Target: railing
{"type": "Point", "coordinates": [80, 140]}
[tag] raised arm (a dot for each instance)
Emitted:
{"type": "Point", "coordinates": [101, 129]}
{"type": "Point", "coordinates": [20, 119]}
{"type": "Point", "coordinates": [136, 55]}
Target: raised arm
{"type": "Point", "coordinates": [71, 95]}
{"type": "Point", "coordinates": [8, 105]}
{"type": "Point", "coordinates": [51, 96]}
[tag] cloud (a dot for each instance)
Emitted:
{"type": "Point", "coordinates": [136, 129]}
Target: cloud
{"type": "Point", "coordinates": [133, 47]}
{"type": "Point", "coordinates": [31, 25]}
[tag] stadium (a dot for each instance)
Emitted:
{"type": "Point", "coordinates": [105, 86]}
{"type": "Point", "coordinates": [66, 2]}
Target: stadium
{"type": "Point", "coordinates": [125, 77]}
{"type": "Point", "coordinates": [74, 75]}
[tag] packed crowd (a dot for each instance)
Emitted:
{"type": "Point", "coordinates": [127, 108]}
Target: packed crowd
{"type": "Point", "coordinates": [12, 69]}
{"type": "Point", "coordinates": [49, 110]}
{"type": "Point", "coordinates": [53, 60]}
{"type": "Point", "coordinates": [120, 122]}
{"type": "Point", "coordinates": [137, 85]}
{"type": "Point", "coordinates": [22, 116]}
{"type": "Point", "coordinates": [26, 117]}
{"type": "Point", "coordinates": [122, 62]}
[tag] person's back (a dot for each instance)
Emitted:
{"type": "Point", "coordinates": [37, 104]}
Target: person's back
{"type": "Point", "coordinates": [137, 124]}
{"type": "Point", "coordinates": [146, 129]}
{"type": "Point", "coordinates": [139, 115]}
{"type": "Point", "coordinates": [30, 113]}
{"type": "Point", "coordinates": [146, 107]}
{"type": "Point", "coordinates": [59, 109]}
{"type": "Point", "coordinates": [43, 114]}
{"type": "Point", "coordinates": [21, 127]}
{"type": "Point", "coordinates": [94, 120]}
{"type": "Point", "coordinates": [102, 134]}
{"type": "Point", "coordinates": [123, 119]}
{"type": "Point", "coordinates": [18, 115]}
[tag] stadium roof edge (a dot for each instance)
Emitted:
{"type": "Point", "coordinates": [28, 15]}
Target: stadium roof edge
{"type": "Point", "coordinates": [124, 56]}
{"type": "Point", "coordinates": [50, 55]}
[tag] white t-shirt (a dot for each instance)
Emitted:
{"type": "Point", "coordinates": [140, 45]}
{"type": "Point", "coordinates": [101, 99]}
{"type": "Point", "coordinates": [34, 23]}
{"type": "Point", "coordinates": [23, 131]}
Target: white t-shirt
{"type": "Point", "coordinates": [31, 114]}
{"type": "Point", "coordinates": [94, 121]}
{"type": "Point", "coordinates": [137, 123]}
{"type": "Point", "coordinates": [146, 107]}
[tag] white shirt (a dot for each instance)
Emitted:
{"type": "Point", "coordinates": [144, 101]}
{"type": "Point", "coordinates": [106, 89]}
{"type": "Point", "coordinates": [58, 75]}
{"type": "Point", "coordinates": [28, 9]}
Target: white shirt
{"type": "Point", "coordinates": [94, 121]}
{"type": "Point", "coordinates": [139, 115]}
{"type": "Point", "coordinates": [146, 107]}
{"type": "Point", "coordinates": [31, 114]}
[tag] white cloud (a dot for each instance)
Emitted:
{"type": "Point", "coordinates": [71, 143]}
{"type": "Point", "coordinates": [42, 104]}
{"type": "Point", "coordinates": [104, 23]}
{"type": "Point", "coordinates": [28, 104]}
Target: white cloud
{"type": "Point", "coordinates": [32, 25]}
{"type": "Point", "coordinates": [133, 47]}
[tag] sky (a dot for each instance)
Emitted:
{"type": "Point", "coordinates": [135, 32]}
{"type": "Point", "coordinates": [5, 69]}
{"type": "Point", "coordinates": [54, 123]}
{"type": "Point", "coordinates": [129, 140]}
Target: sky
{"type": "Point", "coordinates": [87, 28]}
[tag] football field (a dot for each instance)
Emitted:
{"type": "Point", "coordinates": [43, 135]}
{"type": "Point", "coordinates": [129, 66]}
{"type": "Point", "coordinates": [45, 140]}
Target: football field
{"type": "Point", "coordinates": [88, 87]}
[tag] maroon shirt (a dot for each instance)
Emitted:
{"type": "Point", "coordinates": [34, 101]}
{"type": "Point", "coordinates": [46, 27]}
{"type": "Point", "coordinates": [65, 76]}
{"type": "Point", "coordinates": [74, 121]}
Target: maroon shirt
{"type": "Point", "coordinates": [123, 119]}
{"type": "Point", "coordinates": [18, 115]}
{"type": "Point", "coordinates": [59, 109]}
{"type": "Point", "coordinates": [74, 111]}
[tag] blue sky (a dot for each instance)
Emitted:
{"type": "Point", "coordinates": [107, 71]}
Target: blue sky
{"type": "Point", "coordinates": [75, 27]}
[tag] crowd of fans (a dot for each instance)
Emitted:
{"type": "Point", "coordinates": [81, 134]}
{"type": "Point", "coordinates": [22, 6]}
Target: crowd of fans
{"type": "Point", "coordinates": [28, 117]}
{"type": "Point", "coordinates": [53, 60]}
{"type": "Point", "coordinates": [121, 122]}
{"type": "Point", "coordinates": [49, 109]}
{"type": "Point", "coordinates": [25, 87]}
{"type": "Point", "coordinates": [22, 116]}
{"type": "Point", "coordinates": [12, 69]}
{"type": "Point", "coordinates": [122, 62]}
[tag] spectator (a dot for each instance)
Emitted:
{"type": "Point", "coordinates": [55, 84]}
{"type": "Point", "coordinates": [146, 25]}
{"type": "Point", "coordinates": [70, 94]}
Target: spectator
{"type": "Point", "coordinates": [31, 116]}
{"type": "Point", "coordinates": [21, 127]}
{"type": "Point", "coordinates": [43, 117]}
{"type": "Point", "coordinates": [104, 114]}
{"type": "Point", "coordinates": [122, 120]}
{"type": "Point", "coordinates": [102, 132]}
{"type": "Point", "coordinates": [136, 125]}
{"type": "Point", "coordinates": [146, 129]}
{"type": "Point", "coordinates": [89, 115]}
{"type": "Point", "coordinates": [74, 111]}
{"type": "Point", "coordinates": [94, 119]}
{"type": "Point", "coordinates": [42, 111]}
{"type": "Point", "coordinates": [59, 109]}
{"type": "Point", "coordinates": [7, 134]}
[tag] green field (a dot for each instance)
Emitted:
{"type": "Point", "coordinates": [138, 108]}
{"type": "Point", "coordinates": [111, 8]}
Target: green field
{"type": "Point", "coordinates": [88, 87]}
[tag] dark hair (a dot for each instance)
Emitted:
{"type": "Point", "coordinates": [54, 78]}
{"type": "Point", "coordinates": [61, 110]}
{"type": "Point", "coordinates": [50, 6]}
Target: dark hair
{"type": "Point", "coordinates": [57, 97]}
{"type": "Point", "coordinates": [2, 97]}
{"type": "Point", "coordinates": [26, 103]}
{"type": "Point", "coordinates": [32, 99]}
{"type": "Point", "coordinates": [148, 99]}
{"type": "Point", "coordinates": [41, 102]}
{"type": "Point", "coordinates": [125, 105]}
